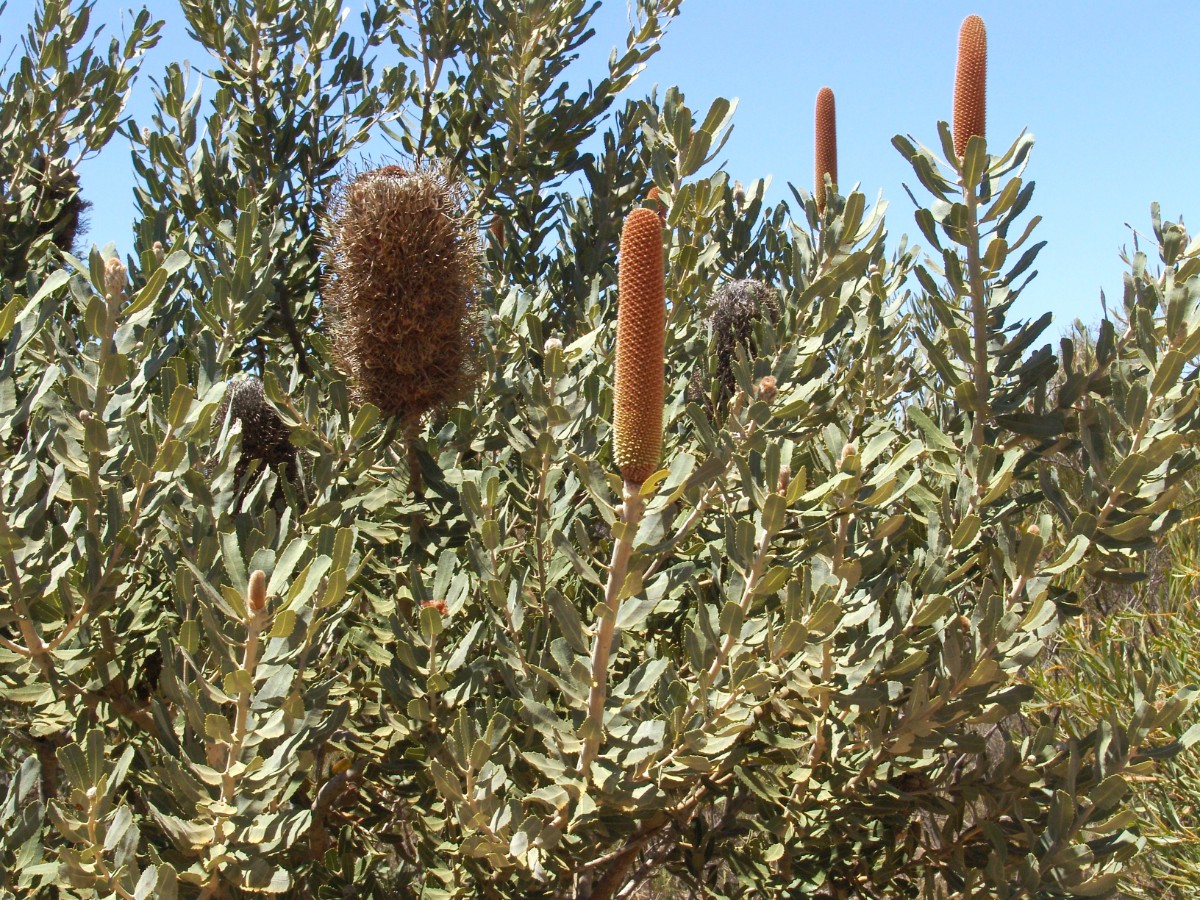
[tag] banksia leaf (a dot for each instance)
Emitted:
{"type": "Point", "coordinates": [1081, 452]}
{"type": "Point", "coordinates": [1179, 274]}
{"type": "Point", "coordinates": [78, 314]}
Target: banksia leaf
{"type": "Point", "coordinates": [402, 262]}
{"type": "Point", "coordinates": [826, 143]}
{"type": "Point", "coordinates": [970, 84]}
{"type": "Point", "coordinates": [641, 337]}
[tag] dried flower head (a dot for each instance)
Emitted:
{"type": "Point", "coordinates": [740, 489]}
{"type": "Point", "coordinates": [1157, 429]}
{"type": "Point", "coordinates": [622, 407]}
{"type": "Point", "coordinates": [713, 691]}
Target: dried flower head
{"type": "Point", "coordinates": [264, 435]}
{"type": "Point", "coordinates": [970, 84]}
{"type": "Point", "coordinates": [826, 143]}
{"type": "Point", "coordinates": [401, 262]}
{"type": "Point", "coordinates": [641, 337]}
{"type": "Point", "coordinates": [439, 605]}
{"type": "Point", "coordinates": [736, 306]}
{"type": "Point", "coordinates": [59, 197]}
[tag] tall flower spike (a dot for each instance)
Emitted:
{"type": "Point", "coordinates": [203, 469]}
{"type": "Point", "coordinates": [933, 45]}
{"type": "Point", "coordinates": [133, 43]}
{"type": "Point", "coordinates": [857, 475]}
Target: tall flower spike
{"type": "Point", "coordinates": [970, 84]}
{"type": "Point", "coordinates": [826, 143]}
{"type": "Point", "coordinates": [641, 337]}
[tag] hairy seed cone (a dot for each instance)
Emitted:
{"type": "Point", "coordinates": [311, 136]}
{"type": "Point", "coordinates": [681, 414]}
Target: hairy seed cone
{"type": "Point", "coordinates": [641, 337]}
{"type": "Point", "coordinates": [401, 265]}
{"type": "Point", "coordinates": [826, 143]}
{"type": "Point", "coordinates": [970, 84]}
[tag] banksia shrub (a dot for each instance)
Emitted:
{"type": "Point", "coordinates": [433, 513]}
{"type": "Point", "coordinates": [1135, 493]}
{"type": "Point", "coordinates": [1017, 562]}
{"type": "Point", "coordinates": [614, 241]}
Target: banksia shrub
{"type": "Point", "coordinates": [264, 435]}
{"type": "Point", "coordinates": [970, 84]}
{"type": "Point", "coordinates": [402, 262]}
{"type": "Point", "coordinates": [641, 335]}
{"type": "Point", "coordinates": [826, 143]}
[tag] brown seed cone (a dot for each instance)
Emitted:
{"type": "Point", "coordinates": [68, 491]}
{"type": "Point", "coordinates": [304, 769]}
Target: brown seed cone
{"type": "Point", "coordinates": [970, 84]}
{"type": "Point", "coordinates": [401, 264]}
{"type": "Point", "coordinates": [826, 143]}
{"type": "Point", "coordinates": [641, 338]}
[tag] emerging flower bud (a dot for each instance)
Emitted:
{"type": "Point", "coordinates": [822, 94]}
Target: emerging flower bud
{"type": "Point", "coordinates": [256, 592]}
{"type": "Point", "coordinates": [115, 276]}
{"type": "Point", "coordinates": [439, 605]}
{"type": "Point", "coordinates": [766, 388]}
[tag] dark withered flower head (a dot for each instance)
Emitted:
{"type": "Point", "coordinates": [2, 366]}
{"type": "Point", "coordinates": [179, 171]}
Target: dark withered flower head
{"type": "Point", "coordinates": [401, 265]}
{"type": "Point", "coordinates": [735, 308]}
{"type": "Point", "coordinates": [264, 435]}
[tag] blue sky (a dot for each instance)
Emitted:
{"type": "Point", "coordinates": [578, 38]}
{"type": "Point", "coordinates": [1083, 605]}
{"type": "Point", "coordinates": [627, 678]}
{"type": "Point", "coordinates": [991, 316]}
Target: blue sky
{"type": "Point", "coordinates": [1104, 90]}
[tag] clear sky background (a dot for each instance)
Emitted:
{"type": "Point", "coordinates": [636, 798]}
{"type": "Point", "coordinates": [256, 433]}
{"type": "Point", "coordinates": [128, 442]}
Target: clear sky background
{"type": "Point", "coordinates": [1105, 90]}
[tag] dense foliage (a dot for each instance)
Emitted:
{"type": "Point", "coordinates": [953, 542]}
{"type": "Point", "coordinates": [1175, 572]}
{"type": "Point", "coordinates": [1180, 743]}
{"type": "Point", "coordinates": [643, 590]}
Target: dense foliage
{"type": "Point", "coordinates": [257, 636]}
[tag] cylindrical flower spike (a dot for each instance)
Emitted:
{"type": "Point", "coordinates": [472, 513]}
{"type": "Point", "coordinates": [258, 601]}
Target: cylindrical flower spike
{"type": "Point", "coordinates": [970, 84]}
{"type": "Point", "coordinates": [826, 143]}
{"type": "Point", "coordinates": [641, 337]}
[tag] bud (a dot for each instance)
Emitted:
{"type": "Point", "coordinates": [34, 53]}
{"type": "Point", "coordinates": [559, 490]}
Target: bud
{"type": "Point", "coordinates": [849, 461]}
{"type": "Point", "coordinates": [551, 345]}
{"type": "Point", "coordinates": [160, 253]}
{"type": "Point", "coordinates": [115, 276]}
{"type": "Point", "coordinates": [826, 143]}
{"type": "Point", "coordinates": [256, 593]}
{"type": "Point", "coordinates": [970, 84]}
{"type": "Point", "coordinates": [766, 388]}
{"type": "Point", "coordinates": [497, 230]}
{"type": "Point", "coordinates": [655, 201]}
{"type": "Point", "coordinates": [739, 195]}
{"type": "Point", "coordinates": [785, 479]}
{"type": "Point", "coordinates": [402, 263]}
{"type": "Point", "coordinates": [641, 337]}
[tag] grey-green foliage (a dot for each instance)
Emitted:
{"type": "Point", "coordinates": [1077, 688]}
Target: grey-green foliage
{"type": "Point", "coordinates": [835, 594]}
{"type": "Point", "coordinates": [61, 99]}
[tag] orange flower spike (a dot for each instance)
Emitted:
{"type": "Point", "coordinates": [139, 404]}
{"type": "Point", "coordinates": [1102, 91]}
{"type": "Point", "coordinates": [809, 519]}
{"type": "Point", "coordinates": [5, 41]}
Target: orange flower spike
{"type": "Point", "coordinates": [641, 338]}
{"type": "Point", "coordinates": [970, 84]}
{"type": "Point", "coordinates": [826, 143]}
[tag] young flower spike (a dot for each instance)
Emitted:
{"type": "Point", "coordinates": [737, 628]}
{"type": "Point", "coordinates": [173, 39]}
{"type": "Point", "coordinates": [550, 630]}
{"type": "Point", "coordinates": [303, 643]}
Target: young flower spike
{"type": "Point", "coordinates": [826, 143]}
{"type": "Point", "coordinates": [641, 337]}
{"type": "Point", "coordinates": [970, 84]}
